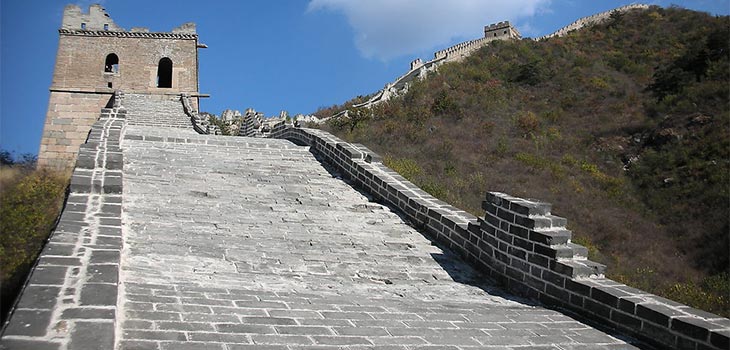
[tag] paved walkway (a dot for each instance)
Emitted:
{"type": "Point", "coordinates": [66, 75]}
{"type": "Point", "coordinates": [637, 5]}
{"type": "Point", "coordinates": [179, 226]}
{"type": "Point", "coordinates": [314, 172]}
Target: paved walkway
{"type": "Point", "coordinates": [240, 243]}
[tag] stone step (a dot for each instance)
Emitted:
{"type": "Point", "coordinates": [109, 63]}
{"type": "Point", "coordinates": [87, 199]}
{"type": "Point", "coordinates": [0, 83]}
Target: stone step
{"type": "Point", "coordinates": [156, 110]}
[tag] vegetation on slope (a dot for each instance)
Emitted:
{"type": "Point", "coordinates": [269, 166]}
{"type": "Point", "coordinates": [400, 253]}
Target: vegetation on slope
{"type": "Point", "coordinates": [30, 202]}
{"type": "Point", "coordinates": [623, 126]}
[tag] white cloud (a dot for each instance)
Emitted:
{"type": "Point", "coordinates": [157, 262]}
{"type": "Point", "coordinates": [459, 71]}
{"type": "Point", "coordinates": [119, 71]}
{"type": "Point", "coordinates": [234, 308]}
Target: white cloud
{"type": "Point", "coordinates": [386, 29]}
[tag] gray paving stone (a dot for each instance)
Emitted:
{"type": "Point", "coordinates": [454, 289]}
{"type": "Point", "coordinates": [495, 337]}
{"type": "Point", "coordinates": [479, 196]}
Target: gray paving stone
{"type": "Point", "coordinates": [88, 313]}
{"type": "Point", "coordinates": [96, 294]}
{"type": "Point", "coordinates": [139, 345]}
{"type": "Point", "coordinates": [39, 297]}
{"type": "Point", "coordinates": [154, 335]}
{"type": "Point", "coordinates": [29, 323]}
{"type": "Point", "coordinates": [305, 330]}
{"type": "Point", "coordinates": [153, 316]}
{"type": "Point", "coordinates": [25, 344]}
{"type": "Point", "coordinates": [256, 239]}
{"type": "Point", "coordinates": [185, 326]}
{"type": "Point", "coordinates": [104, 257]}
{"type": "Point", "coordinates": [92, 336]}
{"type": "Point", "coordinates": [60, 261]}
{"type": "Point", "coordinates": [191, 346]}
{"type": "Point", "coordinates": [284, 339]}
{"type": "Point", "coordinates": [257, 347]}
{"type": "Point", "coordinates": [402, 340]}
{"type": "Point", "coordinates": [220, 338]}
{"type": "Point", "coordinates": [50, 275]}
{"type": "Point", "coordinates": [245, 328]}
{"type": "Point", "coordinates": [103, 273]}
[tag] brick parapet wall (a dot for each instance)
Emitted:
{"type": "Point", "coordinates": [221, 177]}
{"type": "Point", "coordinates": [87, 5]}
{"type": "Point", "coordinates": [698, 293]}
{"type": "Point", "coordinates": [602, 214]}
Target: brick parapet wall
{"type": "Point", "coordinates": [519, 243]}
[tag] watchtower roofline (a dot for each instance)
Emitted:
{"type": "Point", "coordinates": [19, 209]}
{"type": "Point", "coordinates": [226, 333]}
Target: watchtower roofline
{"type": "Point", "coordinates": [98, 20]}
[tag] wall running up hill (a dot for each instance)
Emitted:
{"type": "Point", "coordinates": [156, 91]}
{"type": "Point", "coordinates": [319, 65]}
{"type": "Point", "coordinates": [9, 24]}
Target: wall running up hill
{"type": "Point", "coordinates": [521, 244]}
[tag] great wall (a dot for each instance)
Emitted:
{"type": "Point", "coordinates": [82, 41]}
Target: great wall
{"type": "Point", "coordinates": [458, 52]}
{"type": "Point", "coordinates": [173, 237]}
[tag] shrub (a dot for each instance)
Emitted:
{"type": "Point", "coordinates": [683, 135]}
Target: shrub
{"type": "Point", "coordinates": [711, 294]}
{"type": "Point", "coordinates": [28, 210]}
{"type": "Point", "coordinates": [528, 123]}
{"type": "Point", "coordinates": [408, 168]}
{"type": "Point", "coordinates": [444, 104]}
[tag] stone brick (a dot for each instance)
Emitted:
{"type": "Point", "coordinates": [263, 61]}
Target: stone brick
{"type": "Point", "coordinates": [39, 297]}
{"type": "Point", "coordinates": [340, 340]}
{"type": "Point", "coordinates": [32, 323]}
{"type": "Point", "coordinates": [657, 313]}
{"type": "Point", "coordinates": [692, 327]}
{"type": "Point", "coordinates": [720, 339]}
{"type": "Point", "coordinates": [95, 294]}
{"type": "Point", "coordinates": [12, 344]}
{"type": "Point", "coordinates": [92, 336]}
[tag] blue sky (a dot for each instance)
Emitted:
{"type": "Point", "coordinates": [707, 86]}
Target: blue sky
{"type": "Point", "coordinates": [294, 55]}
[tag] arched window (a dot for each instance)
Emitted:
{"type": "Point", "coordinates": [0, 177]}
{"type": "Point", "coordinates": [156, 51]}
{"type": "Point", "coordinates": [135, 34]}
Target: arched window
{"type": "Point", "coordinates": [164, 73]}
{"type": "Point", "coordinates": [111, 65]}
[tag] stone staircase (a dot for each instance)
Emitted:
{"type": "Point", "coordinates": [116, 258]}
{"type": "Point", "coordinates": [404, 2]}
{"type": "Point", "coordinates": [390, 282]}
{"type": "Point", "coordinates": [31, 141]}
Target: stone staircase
{"type": "Point", "coordinates": [156, 110]}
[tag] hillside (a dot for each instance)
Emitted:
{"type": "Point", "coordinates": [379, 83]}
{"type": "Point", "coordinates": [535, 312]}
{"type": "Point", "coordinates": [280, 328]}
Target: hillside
{"type": "Point", "coordinates": [623, 126]}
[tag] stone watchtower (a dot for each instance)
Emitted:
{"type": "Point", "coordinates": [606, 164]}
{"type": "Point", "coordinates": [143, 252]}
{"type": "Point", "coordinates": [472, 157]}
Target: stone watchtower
{"type": "Point", "coordinates": [501, 30]}
{"type": "Point", "coordinates": [96, 57]}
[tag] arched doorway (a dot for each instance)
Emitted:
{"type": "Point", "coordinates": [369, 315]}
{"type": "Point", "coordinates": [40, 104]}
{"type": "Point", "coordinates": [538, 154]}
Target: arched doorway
{"type": "Point", "coordinates": [111, 64]}
{"type": "Point", "coordinates": [164, 73]}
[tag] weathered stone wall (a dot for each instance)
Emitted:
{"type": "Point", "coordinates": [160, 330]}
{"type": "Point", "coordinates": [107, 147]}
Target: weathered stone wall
{"type": "Point", "coordinates": [521, 244]}
{"type": "Point", "coordinates": [81, 57]}
{"type": "Point", "coordinates": [69, 119]}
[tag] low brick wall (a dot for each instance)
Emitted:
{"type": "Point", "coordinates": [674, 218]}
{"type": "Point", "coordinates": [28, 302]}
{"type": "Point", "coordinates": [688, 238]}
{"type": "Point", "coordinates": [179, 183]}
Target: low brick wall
{"type": "Point", "coordinates": [519, 243]}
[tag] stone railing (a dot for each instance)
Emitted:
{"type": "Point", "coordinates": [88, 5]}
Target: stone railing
{"type": "Point", "coordinates": [118, 102]}
{"type": "Point", "coordinates": [591, 20]}
{"type": "Point", "coordinates": [200, 124]}
{"type": "Point", "coordinates": [521, 244]}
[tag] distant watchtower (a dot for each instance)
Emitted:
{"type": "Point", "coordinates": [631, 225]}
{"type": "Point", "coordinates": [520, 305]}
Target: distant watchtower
{"type": "Point", "coordinates": [501, 30]}
{"type": "Point", "coordinates": [96, 57]}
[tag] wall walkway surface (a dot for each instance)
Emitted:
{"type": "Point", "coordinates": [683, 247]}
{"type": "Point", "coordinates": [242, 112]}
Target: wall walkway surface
{"type": "Point", "coordinates": [213, 242]}
{"type": "Point", "coordinates": [175, 240]}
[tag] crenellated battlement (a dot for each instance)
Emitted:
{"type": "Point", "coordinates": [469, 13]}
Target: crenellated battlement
{"type": "Point", "coordinates": [592, 20]}
{"type": "Point", "coordinates": [497, 31]}
{"type": "Point", "coordinates": [97, 19]}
